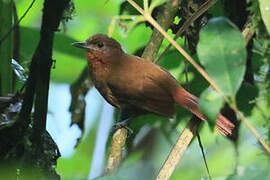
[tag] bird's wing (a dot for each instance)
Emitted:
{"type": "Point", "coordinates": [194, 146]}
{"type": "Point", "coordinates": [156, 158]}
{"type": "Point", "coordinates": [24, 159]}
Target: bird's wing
{"type": "Point", "coordinates": [143, 88]}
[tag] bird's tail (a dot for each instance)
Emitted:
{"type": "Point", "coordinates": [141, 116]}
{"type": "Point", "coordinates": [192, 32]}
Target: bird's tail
{"type": "Point", "coordinates": [190, 102]}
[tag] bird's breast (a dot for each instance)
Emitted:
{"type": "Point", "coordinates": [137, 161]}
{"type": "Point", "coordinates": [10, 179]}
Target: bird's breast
{"type": "Point", "coordinates": [99, 79]}
{"type": "Point", "coordinates": [98, 71]}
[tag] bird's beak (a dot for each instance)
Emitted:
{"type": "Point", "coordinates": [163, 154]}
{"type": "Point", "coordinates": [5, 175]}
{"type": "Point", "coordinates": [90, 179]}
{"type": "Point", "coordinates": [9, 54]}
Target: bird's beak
{"type": "Point", "coordinates": [83, 45]}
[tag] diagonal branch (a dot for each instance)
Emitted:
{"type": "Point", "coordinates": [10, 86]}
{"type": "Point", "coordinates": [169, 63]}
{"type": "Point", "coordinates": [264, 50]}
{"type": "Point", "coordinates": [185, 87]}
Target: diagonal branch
{"type": "Point", "coordinates": [150, 19]}
{"type": "Point", "coordinates": [178, 150]}
{"type": "Point", "coordinates": [165, 19]}
{"type": "Point", "coordinates": [208, 4]}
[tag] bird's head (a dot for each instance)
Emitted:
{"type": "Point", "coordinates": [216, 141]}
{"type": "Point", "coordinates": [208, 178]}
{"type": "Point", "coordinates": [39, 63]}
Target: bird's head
{"type": "Point", "coordinates": [100, 46]}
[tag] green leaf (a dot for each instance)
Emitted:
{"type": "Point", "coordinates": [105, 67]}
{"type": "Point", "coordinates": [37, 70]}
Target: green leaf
{"type": "Point", "coordinates": [265, 12]}
{"type": "Point", "coordinates": [70, 61]}
{"type": "Point", "coordinates": [222, 51]}
{"type": "Point", "coordinates": [210, 105]}
{"type": "Point", "coordinates": [62, 44]}
{"type": "Point", "coordinates": [5, 48]}
{"type": "Point", "coordinates": [251, 173]}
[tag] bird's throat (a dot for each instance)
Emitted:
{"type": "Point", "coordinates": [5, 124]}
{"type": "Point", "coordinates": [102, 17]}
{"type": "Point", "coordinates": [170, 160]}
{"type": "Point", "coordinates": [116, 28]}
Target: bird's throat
{"type": "Point", "coordinates": [95, 60]}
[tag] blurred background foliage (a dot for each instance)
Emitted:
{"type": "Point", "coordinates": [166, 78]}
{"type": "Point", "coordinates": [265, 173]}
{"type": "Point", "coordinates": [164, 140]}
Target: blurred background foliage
{"type": "Point", "coordinates": [153, 136]}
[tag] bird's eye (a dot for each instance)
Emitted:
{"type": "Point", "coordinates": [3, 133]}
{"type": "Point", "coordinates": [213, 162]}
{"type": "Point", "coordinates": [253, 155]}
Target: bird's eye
{"type": "Point", "coordinates": [100, 44]}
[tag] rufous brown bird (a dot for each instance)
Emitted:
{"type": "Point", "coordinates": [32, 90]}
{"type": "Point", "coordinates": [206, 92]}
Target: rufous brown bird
{"type": "Point", "coordinates": [130, 82]}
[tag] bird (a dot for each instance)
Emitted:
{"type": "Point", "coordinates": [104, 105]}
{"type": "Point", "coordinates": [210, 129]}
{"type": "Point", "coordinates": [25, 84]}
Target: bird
{"type": "Point", "coordinates": [138, 86]}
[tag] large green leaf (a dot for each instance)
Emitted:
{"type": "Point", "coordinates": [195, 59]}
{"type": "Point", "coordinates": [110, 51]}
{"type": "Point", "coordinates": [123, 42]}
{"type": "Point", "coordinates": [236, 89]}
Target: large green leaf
{"type": "Point", "coordinates": [62, 43]}
{"type": "Point", "coordinates": [70, 61]}
{"type": "Point", "coordinates": [222, 51]}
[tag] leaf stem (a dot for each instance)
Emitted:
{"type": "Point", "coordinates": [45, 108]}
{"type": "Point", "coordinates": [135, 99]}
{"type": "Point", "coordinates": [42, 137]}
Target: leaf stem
{"type": "Point", "coordinates": [145, 6]}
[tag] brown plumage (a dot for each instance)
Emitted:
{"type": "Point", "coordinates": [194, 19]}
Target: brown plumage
{"type": "Point", "coordinates": [127, 81]}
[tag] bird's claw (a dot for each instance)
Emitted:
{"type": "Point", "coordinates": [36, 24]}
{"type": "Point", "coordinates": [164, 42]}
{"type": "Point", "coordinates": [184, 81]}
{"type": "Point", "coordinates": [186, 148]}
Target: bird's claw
{"type": "Point", "coordinates": [120, 125]}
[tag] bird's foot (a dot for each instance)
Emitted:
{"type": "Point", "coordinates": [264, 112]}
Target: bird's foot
{"type": "Point", "coordinates": [122, 124]}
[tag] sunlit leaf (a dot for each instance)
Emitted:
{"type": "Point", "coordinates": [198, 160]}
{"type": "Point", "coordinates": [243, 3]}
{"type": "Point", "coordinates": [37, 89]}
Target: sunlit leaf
{"type": "Point", "coordinates": [265, 12]}
{"type": "Point", "coordinates": [222, 51]}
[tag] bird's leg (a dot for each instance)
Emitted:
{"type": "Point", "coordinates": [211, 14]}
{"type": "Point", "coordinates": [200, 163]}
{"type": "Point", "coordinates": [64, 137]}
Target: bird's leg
{"type": "Point", "coordinates": [123, 124]}
{"type": "Point", "coordinates": [126, 115]}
